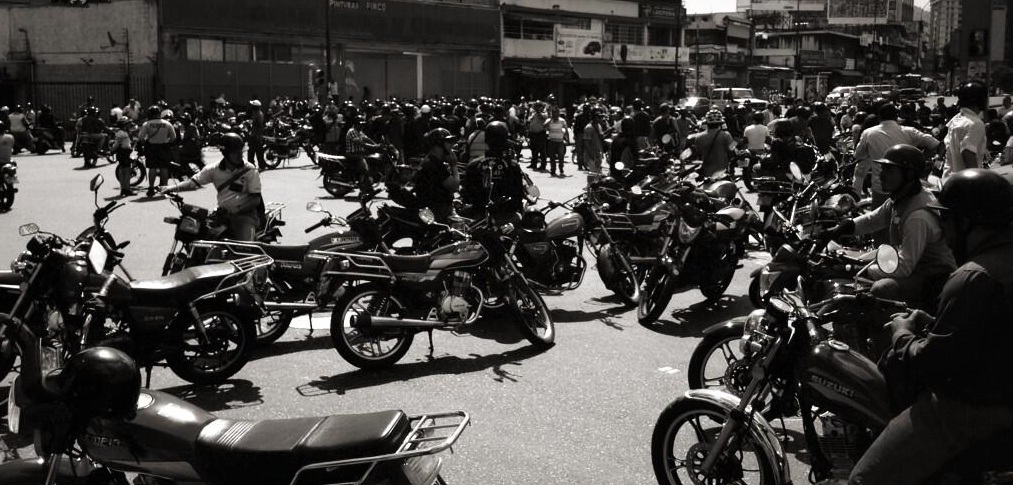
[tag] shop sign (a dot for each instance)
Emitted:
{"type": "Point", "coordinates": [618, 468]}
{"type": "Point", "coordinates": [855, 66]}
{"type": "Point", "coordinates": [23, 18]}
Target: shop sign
{"type": "Point", "coordinates": [856, 12]}
{"type": "Point", "coordinates": [646, 53]}
{"type": "Point", "coordinates": [364, 5]}
{"type": "Point", "coordinates": [783, 5]}
{"type": "Point", "coordinates": [578, 43]}
{"type": "Point", "coordinates": [736, 58]}
{"type": "Point", "coordinates": [652, 11]}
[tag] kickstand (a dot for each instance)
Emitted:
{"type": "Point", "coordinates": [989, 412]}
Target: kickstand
{"type": "Point", "coordinates": [309, 317]}
{"type": "Point", "coordinates": [147, 377]}
{"type": "Point", "coordinates": [430, 332]}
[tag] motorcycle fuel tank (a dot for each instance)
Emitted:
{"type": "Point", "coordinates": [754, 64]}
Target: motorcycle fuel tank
{"type": "Point", "coordinates": [723, 189]}
{"type": "Point", "coordinates": [566, 226]}
{"type": "Point", "coordinates": [339, 240]}
{"type": "Point", "coordinates": [158, 441]}
{"type": "Point", "coordinates": [846, 383]}
{"type": "Point", "coordinates": [737, 215]}
{"type": "Point", "coordinates": [458, 255]}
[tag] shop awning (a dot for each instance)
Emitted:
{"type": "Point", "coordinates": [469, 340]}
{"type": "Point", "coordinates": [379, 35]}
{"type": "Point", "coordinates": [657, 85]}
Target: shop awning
{"type": "Point", "coordinates": [848, 73]}
{"type": "Point", "coordinates": [588, 70]}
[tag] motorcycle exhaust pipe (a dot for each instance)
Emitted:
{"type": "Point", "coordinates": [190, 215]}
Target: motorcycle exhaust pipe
{"type": "Point", "coordinates": [271, 305]}
{"type": "Point", "coordinates": [365, 320]}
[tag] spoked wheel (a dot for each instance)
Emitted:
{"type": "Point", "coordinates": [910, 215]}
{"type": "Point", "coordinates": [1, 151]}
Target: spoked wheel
{"type": "Point", "coordinates": [368, 348]}
{"type": "Point", "coordinates": [657, 293]}
{"type": "Point", "coordinates": [534, 322]}
{"type": "Point", "coordinates": [6, 197]}
{"type": "Point", "coordinates": [271, 159]}
{"type": "Point", "coordinates": [137, 172]}
{"type": "Point", "coordinates": [335, 186]}
{"type": "Point", "coordinates": [214, 355]}
{"type": "Point", "coordinates": [682, 441]}
{"type": "Point", "coordinates": [626, 285]}
{"type": "Point", "coordinates": [272, 326]}
{"type": "Point", "coordinates": [719, 363]}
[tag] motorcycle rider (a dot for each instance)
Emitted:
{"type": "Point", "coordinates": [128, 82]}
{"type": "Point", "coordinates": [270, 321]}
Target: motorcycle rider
{"type": "Point", "coordinates": [47, 122]}
{"type": "Point", "coordinates": [238, 185]}
{"type": "Point", "coordinates": [122, 148]}
{"type": "Point", "coordinates": [873, 143]}
{"type": "Point", "coordinates": [924, 258]}
{"type": "Point", "coordinates": [156, 136]}
{"type": "Point", "coordinates": [437, 180]}
{"type": "Point", "coordinates": [715, 145]}
{"type": "Point", "coordinates": [19, 127]}
{"type": "Point", "coordinates": [357, 146]}
{"type": "Point", "coordinates": [955, 373]}
{"type": "Point", "coordinates": [93, 135]}
{"type": "Point", "coordinates": [497, 177]}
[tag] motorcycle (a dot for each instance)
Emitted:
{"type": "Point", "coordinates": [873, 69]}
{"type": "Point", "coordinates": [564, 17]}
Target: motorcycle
{"type": "Point", "coordinates": [82, 442]}
{"type": "Point", "coordinates": [8, 180]}
{"type": "Point", "coordinates": [44, 140]}
{"type": "Point", "coordinates": [198, 320]}
{"type": "Point", "coordinates": [341, 176]}
{"type": "Point", "coordinates": [286, 142]}
{"type": "Point", "coordinates": [197, 223]}
{"type": "Point", "coordinates": [383, 300]}
{"type": "Point", "coordinates": [698, 248]}
{"type": "Point", "coordinates": [709, 436]}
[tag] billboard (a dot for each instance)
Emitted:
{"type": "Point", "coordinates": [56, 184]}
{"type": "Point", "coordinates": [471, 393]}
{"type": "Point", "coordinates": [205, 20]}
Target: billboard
{"type": "Point", "coordinates": [578, 43]}
{"type": "Point", "coordinates": [857, 12]}
{"type": "Point", "coordinates": [647, 53]}
{"type": "Point", "coordinates": [786, 5]}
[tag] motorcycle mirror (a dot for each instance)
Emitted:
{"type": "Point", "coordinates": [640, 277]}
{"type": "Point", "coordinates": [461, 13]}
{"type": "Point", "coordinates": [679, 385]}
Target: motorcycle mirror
{"type": "Point", "coordinates": [796, 172]}
{"type": "Point", "coordinates": [620, 165]}
{"type": "Point", "coordinates": [314, 207]}
{"type": "Point", "coordinates": [426, 216]}
{"type": "Point", "coordinates": [887, 258]}
{"type": "Point", "coordinates": [636, 190]}
{"type": "Point", "coordinates": [96, 182]}
{"type": "Point", "coordinates": [666, 139]}
{"type": "Point", "coordinates": [533, 192]}
{"type": "Point", "coordinates": [686, 154]}
{"type": "Point", "coordinates": [28, 229]}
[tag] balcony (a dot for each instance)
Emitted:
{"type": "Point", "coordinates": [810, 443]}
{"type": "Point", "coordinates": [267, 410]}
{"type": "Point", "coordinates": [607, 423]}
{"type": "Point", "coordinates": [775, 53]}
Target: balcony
{"type": "Point", "coordinates": [528, 49]}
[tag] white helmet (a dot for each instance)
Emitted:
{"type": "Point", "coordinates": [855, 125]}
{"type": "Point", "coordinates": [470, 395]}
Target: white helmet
{"type": "Point", "coordinates": [425, 109]}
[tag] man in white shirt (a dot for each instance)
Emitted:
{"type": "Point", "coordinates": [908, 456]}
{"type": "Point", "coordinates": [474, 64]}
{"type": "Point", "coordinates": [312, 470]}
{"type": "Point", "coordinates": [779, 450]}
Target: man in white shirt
{"type": "Point", "coordinates": [757, 134]}
{"type": "Point", "coordinates": [874, 142]}
{"type": "Point", "coordinates": [966, 144]}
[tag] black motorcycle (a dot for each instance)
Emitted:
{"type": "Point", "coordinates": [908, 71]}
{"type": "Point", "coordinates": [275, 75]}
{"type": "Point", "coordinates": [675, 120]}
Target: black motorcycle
{"type": "Point", "coordinates": [341, 176]}
{"type": "Point", "coordinates": [709, 436]}
{"type": "Point", "coordinates": [383, 300]}
{"type": "Point", "coordinates": [283, 142]}
{"type": "Point", "coordinates": [92, 430]}
{"type": "Point", "coordinates": [8, 180]}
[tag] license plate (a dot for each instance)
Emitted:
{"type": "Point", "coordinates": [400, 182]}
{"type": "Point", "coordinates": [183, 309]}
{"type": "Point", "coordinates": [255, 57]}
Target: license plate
{"type": "Point", "coordinates": [421, 470]}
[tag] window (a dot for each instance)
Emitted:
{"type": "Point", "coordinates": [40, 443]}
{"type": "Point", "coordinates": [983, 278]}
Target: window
{"type": "Point", "coordinates": [624, 34]}
{"type": "Point", "coordinates": [537, 30]}
{"type": "Point", "coordinates": [193, 49]}
{"type": "Point", "coordinates": [474, 64]}
{"type": "Point", "coordinates": [511, 27]}
{"type": "Point", "coordinates": [236, 52]}
{"type": "Point", "coordinates": [261, 52]}
{"type": "Point", "coordinates": [659, 36]}
{"type": "Point", "coordinates": [211, 50]}
{"type": "Point", "coordinates": [281, 53]}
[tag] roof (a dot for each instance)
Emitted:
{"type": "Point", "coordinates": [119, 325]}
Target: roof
{"type": "Point", "coordinates": [596, 70]}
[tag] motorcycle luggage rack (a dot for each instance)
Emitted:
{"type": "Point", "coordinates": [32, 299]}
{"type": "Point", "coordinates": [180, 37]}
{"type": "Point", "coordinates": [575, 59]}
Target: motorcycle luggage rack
{"type": "Point", "coordinates": [430, 434]}
{"type": "Point", "coordinates": [245, 269]}
{"type": "Point", "coordinates": [361, 265]}
{"type": "Point", "coordinates": [222, 249]}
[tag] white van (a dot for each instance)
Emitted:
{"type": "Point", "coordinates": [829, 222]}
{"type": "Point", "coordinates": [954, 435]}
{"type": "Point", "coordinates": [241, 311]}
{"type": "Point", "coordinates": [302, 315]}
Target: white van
{"type": "Point", "coordinates": [722, 97]}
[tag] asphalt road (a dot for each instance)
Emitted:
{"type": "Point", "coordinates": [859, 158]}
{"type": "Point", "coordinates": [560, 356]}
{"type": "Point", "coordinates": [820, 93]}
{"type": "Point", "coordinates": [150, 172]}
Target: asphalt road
{"type": "Point", "coordinates": [581, 412]}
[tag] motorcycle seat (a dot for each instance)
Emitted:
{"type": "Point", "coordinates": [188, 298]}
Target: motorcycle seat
{"type": "Point", "coordinates": [286, 253]}
{"type": "Point", "coordinates": [179, 286]}
{"type": "Point", "coordinates": [233, 452]}
{"type": "Point", "coordinates": [408, 264]}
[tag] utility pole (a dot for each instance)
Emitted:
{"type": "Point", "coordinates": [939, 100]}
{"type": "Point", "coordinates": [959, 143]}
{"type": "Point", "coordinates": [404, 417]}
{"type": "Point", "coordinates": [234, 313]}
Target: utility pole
{"type": "Point", "coordinates": [698, 92]}
{"type": "Point", "coordinates": [327, 49]}
{"type": "Point", "coordinates": [678, 40]}
{"type": "Point", "coordinates": [798, 49]}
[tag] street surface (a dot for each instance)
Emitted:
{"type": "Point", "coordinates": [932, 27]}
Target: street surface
{"type": "Point", "coordinates": [581, 412]}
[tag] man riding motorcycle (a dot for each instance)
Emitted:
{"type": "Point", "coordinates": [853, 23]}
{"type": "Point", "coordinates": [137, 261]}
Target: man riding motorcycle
{"type": "Point", "coordinates": [238, 185]}
{"type": "Point", "coordinates": [924, 258]}
{"type": "Point", "coordinates": [956, 372]}
{"type": "Point", "coordinates": [437, 181]}
{"type": "Point", "coordinates": [496, 177]}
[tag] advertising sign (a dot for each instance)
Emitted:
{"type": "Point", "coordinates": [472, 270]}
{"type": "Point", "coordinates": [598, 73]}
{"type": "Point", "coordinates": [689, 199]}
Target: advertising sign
{"type": "Point", "coordinates": [578, 43]}
{"type": "Point", "coordinates": [857, 12]}
{"type": "Point", "coordinates": [786, 5]}
{"type": "Point", "coordinates": [646, 53]}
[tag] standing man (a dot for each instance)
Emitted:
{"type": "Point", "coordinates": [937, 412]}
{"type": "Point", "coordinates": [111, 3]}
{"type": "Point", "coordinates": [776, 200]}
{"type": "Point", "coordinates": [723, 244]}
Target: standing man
{"type": "Point", "coordinates": [157, 137]}
{"type": "Point", "coordinates": [257, 124]}
{"type": "Point", "coordinates": [874, 142]}
{"type": "Point", "coordinates": [966, 144]}
{"type": "Point", "coordinates": [536, 136]}
{"type": "Point", "coordinates": [559, 136]}
{"type": "Point", "coordinates": [238, 185]}
{"type": "Point", "coordinates": [593, 153]}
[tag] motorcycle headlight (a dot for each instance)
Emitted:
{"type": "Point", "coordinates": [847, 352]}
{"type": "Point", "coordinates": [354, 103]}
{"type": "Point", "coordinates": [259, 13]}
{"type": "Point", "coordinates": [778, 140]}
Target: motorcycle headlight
{"type": "Point", "coordinates": [754, 337]}
{"type": "Point", "coordinates": [767, 280]}
{"type": "Point", "coordinates": [189, 225]}
{"type": "Point", "coordinates": [687, 233]}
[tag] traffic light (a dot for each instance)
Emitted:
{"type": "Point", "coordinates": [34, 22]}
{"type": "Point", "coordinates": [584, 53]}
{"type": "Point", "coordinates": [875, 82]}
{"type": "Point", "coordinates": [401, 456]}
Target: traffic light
{"type": "Point", "coordinates": [319, 79]}
{"type": "Point", "coordinates": [978, 45]}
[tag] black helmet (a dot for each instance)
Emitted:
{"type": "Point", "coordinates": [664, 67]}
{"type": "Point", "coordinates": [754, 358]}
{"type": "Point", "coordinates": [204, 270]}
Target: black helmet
{"type": "Point", "coordinates": [438, 136]}
{"type": "Point", "coordinates": [972, 95]}
{"type": "Point", "coordinates": [496, 135]}
{"type": "Point", "coordinates": [904, 156]}
{"type": "Point", "coordinates": [626, 125]}
{"type": "Point", "coordinates": [783, 128]}
{"type": "Point", "coordinates": [982, 196]}
{"type": "Point", "coordinates": [102, 382]}
{"type": "Point", "coordinates": [154, 112]}
{"type": "Point", "coordinates": [231, 142]}
{"type": "Point", "coordinates": [820, 107]}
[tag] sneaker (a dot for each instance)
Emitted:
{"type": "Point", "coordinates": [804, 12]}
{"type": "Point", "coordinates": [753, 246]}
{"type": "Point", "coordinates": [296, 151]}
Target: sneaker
{"type": "Point", "coordinates": [552, 173]}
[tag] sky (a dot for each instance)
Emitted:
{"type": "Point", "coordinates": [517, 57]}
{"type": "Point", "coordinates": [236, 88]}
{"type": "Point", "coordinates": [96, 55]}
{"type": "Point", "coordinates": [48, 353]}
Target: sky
{"type": "Point", "coordinates": [707, 6]}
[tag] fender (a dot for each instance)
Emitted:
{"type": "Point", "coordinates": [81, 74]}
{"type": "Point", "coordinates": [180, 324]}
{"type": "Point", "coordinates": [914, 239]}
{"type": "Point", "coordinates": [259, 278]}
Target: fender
{"type": "Point", "coordinates": [738, 323]}
{"type": "Point", "coordinates": [32, 471]}
{"type": "Point", "coordinates": [759, 428]}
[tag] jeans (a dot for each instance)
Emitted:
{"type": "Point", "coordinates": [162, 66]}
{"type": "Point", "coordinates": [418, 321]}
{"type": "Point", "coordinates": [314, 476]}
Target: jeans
{"type": "Point", "coordinates": [536, 141]}
{"type": "Point", "coordinates": [557, 153]}
{"type": "Point", "coordinates": [925, 437]}
{"type": "Point", "coordinates": [256, 148]}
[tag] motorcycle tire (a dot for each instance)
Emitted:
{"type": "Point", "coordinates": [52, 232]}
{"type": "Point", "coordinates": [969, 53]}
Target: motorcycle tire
{"type": "Point", "coordinates": [272, 326]}
{"type": "Point", "coordinates": [41, 148]}
{"type": "Point", "coordinates": [272, 159]}
{"type": "Point", "coordinates": [754, 293]}
{"type": "Point", "coordinates": [6, 197]}
{"type": "Point", "coordinates": [8, 357]}
{"type": "Point", "coordinates": [721, 279]}
{"type": "Point", "coordinates": [626, 285]}
{"type": "Point", "coordinates": [700, 423]}
{"type": "Point", "coordinates": [658, 288]}
{"type": "Point", "coordinates": [189, 358]}
{"type": "Point", "coordinates": [359, 347]}
{"type": "Point", "coordinates": [334, 186]}
{"type": "Point", "coordinates": [535, 322]}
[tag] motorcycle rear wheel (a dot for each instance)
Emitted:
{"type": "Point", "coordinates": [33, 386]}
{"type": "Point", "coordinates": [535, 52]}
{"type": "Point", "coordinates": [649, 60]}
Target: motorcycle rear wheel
{"type": "Point", "coordinates": [659, 286]}
{"type": "Point", "coordinates": [535, 322]}
{"type": "Point", "coordinates": [6, 197]}
{"type": "Point", "coordinates": [231, 338]}
{"type": "Point", "coordinates": [365, 348]}
{"type": "Point", "coordinates": [680, 443]}
{"type": "Point", "coordinates": [272, 326]}
{"type": "Point", "coordinates": [272, 159]}
{"type": "Point", "coordinates": [334, 186]}
{"type": "Point", "coordinates": [716, 288]}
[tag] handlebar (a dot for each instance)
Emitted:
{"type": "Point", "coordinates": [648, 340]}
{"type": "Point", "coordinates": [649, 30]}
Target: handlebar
{"type": "Point", "coordinates": [323, 222]}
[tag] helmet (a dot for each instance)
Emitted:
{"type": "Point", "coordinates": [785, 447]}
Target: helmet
{"type": "Point", "coordinates": [437, 136]}
{"type": "Point", "coordinates": [972, 95]}
{"type": "Point", "coordinates": [626, 125]}
{"type": "Point", "coordinates": [153, 112]}
{"type": "Point", "coordinates": [102, 382]}
{"type": "Point", "coordinates": [638, 103]}
{"type": "Point", "coordinates": [254, 103]}
{"type": "Point", "coordinates": [231, 142]}
{"type": "Point", "coordinates": [92, 110]}
{"type": "Point", "coordinates": [496, 135]}
{"type": "Point", "coordinates": [714, 117]}
{"type": "Point", "coordinates": [982, 196]}
{"type": "Point", "coordinates": [425, 109]}
{"type": "Point", "coordinates": [782, 128]}
{"type": "Point", "coordinates": [904, 156]}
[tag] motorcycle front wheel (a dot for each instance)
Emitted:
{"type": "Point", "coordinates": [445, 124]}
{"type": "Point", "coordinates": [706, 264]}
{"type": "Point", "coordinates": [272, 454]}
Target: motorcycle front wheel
{"type": "Point", "coordinates": [626, 285]}
{"type": "Point", "coordinates": [272, 326]}
{"type": "Point", "coordinates": [720, 279]}
{"type": "Point", "coordinates": [214, 355]}
{"type": "Point", "coordinates": [6, 196]}
{"type": "Point", "coordinates": [335, 186]}
{"type": "Point", "coordinates": [368, 348]}
{"type": "Point", "coordinates": [534, 322]}
{"type": "Point", "coordinates": [272, 159]}
{"type": "Point", "coordinates": [682, 440]}
{"type": "Point", "coordinates": [659, 286]}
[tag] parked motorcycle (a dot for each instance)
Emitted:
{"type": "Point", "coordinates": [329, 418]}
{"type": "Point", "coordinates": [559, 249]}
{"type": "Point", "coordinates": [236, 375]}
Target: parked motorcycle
{"type": "Point", "coordinates": [709, 436]}
{"type": "Point", "coordinates": [383, 300]}
{"type": "Point", "coordinates": [44, 140]}
{"type": "Point", "coordinates": [284, 142]}
{"type": "Point", "coordinates": [94, 423]}
{"type": "Point", "coordinates": [8, 180]}
{"type": "Point", "coordinates": [341, 176]}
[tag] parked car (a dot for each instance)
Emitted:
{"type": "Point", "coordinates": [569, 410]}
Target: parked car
{"type": "Point", "coordinates": [734, 97]}
{"type": "Point", "coordinates": [862, 94]}
{"type": "Point", "coordinates": [697, 104]}
{"type": "Point", "coordinates": [885, 91]}
{"type": "Point", "coordinates": [910, 94]}
{"type": "Point", "coordinates": [838, 95]}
